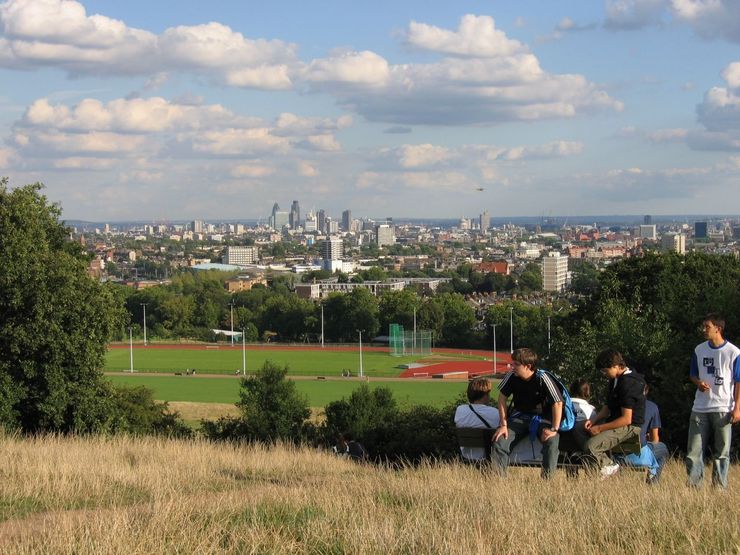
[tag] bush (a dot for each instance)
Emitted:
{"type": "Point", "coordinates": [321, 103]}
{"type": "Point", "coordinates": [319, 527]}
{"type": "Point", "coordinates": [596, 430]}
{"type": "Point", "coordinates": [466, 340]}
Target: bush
{"type": "Point", "coordinates": [271, 410]}
{"type": "Point", "coordinates": [136, 412]}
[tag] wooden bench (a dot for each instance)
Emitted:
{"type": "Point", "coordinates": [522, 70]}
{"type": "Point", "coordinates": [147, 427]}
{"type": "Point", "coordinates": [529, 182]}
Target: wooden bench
{"type": "Point", "coordinates": [569, 460]}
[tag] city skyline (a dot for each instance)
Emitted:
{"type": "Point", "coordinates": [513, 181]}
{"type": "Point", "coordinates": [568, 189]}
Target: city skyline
{"type": "Point", "coordinates": [141, 111]}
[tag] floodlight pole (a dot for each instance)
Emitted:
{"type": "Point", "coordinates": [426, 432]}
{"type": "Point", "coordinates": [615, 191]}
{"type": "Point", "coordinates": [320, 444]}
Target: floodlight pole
{"type": "Point", "coordinates": [548, 335]}
{"type": "Point", "coordinates": [413, 349]}
{"type": "Point", "coordinates": [131, 347]}
{"type": "Point", "coordinates": [244, 352]}
{"type": "Point", "coordinates": [322, 325]}
{"type": "Point", "coordinates": [511, 328]}
{"type": "Point", "coordinates": [495, 370]}
{"type": "Point", "coordinates": [232, 322]}
{"type": "Point", "coordinates": [361, 373]}
{"type": "Point", "coordinates": [144, 305]}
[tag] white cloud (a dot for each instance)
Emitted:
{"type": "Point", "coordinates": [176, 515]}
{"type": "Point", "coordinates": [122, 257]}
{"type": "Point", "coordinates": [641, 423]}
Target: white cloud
{"type": "Point", "coordinates": [79, 163]}
{"type": "Point", "coordinates": [8, 157]}
{"type": "Point", "coordinates": [668, 135]}
{"type": "Point", "coordinates": [253, 170]}
{"type": "Point", "coordinates": [59, 33]}
{"type": "Point", "coordinates": [710, 19]}
{"type": "Point", "coordinates": [306, 169]}
{"type": "Point", "coordinates": [359, 68]}
{"type": "Point", "coordinates": [633, 14]}
{"type": "Point", "coordinates": [476, 36]}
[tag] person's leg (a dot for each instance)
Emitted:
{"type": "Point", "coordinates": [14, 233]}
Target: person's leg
{"type": "Point", "coordinates": [660, 450]}
{"type": "Point", "coordinates": [722, 428]}
{"type": "Point", "coordinates": [597, 446]}
{"type": "Point", "coordinates": [550, 452]}
{"type": "Point", "coordinates": [698, 438]}
{"type": "Point", "coordinates": [502, 448]}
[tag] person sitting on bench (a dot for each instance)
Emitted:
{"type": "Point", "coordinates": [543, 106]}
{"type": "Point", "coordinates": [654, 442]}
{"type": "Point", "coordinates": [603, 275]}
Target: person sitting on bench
{"type": "Point", "coordinates": [477, 413]}
{"type": "Point", "coordinates": [619, 421]}
{"type": "Point", "coordinates": [537, 411]}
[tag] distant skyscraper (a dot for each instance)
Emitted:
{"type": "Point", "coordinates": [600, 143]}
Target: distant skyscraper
{"type": "Point", "coordinates": [385, 234]}
{"type": "Point", "coordinates": [347, 220]}
{"type": "Point", "coordinates": [675, 242]}
{"type": "Point", "coordinates": [647, 220]}
{"type": "Point", "coordinates": [331, 249]}
{"type": "Point", "coordinates": [485, 221]}
{"type": "Point", "coordinates": [554, 271]}
{"type": "Point", "coordinates": [700, 230]}
{"type": "Point", "coordinates": [295, 215]}
{"type": "Point", "coordinates": [197, 226]}
{"type": "Point", "coordinates": [321, 220]}
{"type": "Point", "coordinates": [648, 232]}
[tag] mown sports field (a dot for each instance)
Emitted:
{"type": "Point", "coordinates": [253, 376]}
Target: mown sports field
{"type": "Point", "coordinates": [317, 371]}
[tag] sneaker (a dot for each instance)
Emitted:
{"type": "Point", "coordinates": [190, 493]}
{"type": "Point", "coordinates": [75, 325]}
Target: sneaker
{"type": "Point", "coordinates": [608, 471]}
{"type": "Point", "coordinates": [651, 480]}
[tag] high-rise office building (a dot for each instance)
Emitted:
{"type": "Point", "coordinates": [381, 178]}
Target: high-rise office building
{"type": "Point", "coordinates": [647, 220]}
{"type": "Point", "coordinates": [385, 234]}
{"type": "Point", "coordinates": [648, 232]}
{"type": "Point", "coordinates": [197, 226]}
{"type": "Point", "coordinates": [485, 221]}
{"type": "Point", "coordinates": [311, 222]}
{"type": "Point", "coordinates": [700, 230]}
{"type": "Point", "coordinates": [347, 220]}
{"type": "Point", "coordinates": [331, 249]}
{"type": "Point", "coordinates": [295, 215]}
{"type": "Point", "coordinates": [675, 242]}
{"type": "Point", "coordinates": [321, 220]}
{"type": "Point", "coordinates": [554, 272]}
{"type": "Point", "coordinates": [241, 256]}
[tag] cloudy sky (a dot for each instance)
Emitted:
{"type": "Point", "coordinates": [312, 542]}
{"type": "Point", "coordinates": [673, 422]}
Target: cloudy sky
{"type": "Point", "coordinates": [179, 109]}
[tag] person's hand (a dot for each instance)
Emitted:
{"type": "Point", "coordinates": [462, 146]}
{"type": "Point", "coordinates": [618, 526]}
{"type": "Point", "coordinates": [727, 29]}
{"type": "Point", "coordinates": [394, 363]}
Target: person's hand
{"type": "Point", "coordinates": [594, 430]}
{"type": "Point", "coordinates": [501, 432]}
{"type": "Point", "coordinates": [547, 433]}
{"type": "Point", "coordinates": [735, 416]}
{"type": "Point", "coordinates": [702, 386]}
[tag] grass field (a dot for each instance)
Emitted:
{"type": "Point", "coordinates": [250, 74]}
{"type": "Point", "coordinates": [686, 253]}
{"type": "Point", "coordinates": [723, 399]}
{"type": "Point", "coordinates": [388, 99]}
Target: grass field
{"type": "Point", "coordinates": [319, 392]}
{"type": "Point", "coordinates": [91, 495]}
{"type": "Point", "coordinates": [226, 361]}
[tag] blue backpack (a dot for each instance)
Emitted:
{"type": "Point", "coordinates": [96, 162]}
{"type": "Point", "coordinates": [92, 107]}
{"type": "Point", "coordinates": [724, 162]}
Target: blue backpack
{"type": "Point", "coordinates": [568, 420]}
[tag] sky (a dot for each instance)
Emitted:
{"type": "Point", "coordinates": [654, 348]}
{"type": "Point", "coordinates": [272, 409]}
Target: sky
{"type": "Point", "coordinates": [175, 110]}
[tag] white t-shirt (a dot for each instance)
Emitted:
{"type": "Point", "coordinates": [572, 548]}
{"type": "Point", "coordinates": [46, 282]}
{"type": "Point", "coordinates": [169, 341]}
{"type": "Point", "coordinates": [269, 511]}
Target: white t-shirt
{"type": "Point", "coordinates": [465, 418]}
{"type": "Point", "coordinates": [583, 409]}
{"type": "Point", "coordinates": [720, 368]}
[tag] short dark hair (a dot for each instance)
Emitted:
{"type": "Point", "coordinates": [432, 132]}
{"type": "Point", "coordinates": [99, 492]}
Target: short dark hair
{"type": "Point", "coordinates": [524, 356]}
{"type": "Point", "coordinates": [581, 389]}
{"type": "Point", "coordinates": [608, 358]}
{"type": "Point", "coordinates": [478, 388]}
{"type": "Point", "coordinates": [717, 319]}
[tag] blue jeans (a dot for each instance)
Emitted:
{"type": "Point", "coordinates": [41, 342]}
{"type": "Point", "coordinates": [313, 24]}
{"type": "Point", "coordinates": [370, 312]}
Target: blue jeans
{"type": "Point", "coordinates": [702, 425]}
{"type": "Point", "coordinates": [661, 453]}
{"type": "Point", "coordinates": [645, 459]}
{"type": "Point", "coordinates": [519, 430]}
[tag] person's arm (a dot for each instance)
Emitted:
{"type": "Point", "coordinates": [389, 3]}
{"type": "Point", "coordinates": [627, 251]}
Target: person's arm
{"type": "Point", "coordinates": [624, 420]}
{"type": "Point", "coordinates": [598, 417]}
{"type": "Point", "coordinates": [654, 435]}
{"type": "Point", "coordinates": [503, 429]}
{"type": "Point", "coordinates": [557, 416]}
{"type": "Point", "coordinates": [736, 377]}
{"type": "Point", "coordinates": [694, 375]}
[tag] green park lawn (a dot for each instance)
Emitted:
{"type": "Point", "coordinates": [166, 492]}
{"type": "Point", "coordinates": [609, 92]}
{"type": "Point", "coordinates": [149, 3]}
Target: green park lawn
{"type": "Point", "coordinates": [319, 392]}
{"type": "Point", "coordinates": [222, 361]}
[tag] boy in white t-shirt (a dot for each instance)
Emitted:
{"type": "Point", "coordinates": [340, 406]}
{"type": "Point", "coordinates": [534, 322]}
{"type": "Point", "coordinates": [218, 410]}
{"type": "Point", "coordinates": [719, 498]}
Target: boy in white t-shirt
{"type": "Point", "coordinates": [715, 370]}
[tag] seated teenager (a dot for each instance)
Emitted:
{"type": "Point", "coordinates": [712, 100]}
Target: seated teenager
{"type": "Point", "coordinates": [477, 413]}
{"type": "Point", "coordinates": [619, 421]}
{"type": "Point", "coordinates": [537, 408]}
{"type": "Point", "coordinates": [580, 395]}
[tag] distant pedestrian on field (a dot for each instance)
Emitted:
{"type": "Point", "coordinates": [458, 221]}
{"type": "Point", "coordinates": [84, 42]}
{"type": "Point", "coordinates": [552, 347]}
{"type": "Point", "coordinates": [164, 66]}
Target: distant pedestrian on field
{"type": "Point", "coordinates": [477, 413]}
{"type": "Point", "coordinates": [715, 370]}
{"type": "Point", "coordinates": [537, 409]}
{"type": "Point", "coordinates": [619, 421]}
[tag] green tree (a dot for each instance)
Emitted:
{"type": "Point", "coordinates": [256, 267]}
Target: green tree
{"type": "Point", "coordinates": [56, 321]}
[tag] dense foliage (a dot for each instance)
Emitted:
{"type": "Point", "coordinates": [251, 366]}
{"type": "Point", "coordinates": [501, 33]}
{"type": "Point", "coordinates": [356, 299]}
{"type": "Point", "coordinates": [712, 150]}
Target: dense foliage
{"type": "Point", "coordinates": [56, 323]}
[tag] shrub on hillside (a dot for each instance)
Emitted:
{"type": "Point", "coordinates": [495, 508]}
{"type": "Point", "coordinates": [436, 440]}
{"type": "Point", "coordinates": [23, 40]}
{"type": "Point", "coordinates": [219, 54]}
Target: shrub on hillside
{"type": "Point", "coordinates": [389, 432]}
{"type": "Point", "coordinates": [271, 410]}
{"type": "Point", "coordinates": [135, 411]}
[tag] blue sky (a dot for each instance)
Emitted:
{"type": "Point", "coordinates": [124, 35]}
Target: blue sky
{"type": "Point", "coordinates": [177, 110]}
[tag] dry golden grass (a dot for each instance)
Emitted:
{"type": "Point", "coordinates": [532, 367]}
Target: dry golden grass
{"type": "Point", "coordinates": [144, 496]}
{"type": "Point", "coordinates": [195, 412]}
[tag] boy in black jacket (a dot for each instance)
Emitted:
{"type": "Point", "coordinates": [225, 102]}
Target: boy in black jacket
{"type": "Point", "coordinates": [623, 414]}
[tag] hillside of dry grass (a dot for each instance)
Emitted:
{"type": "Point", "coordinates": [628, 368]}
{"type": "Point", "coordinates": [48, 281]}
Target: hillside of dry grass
{"type": "Point", "coordinates": [123, 495]}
